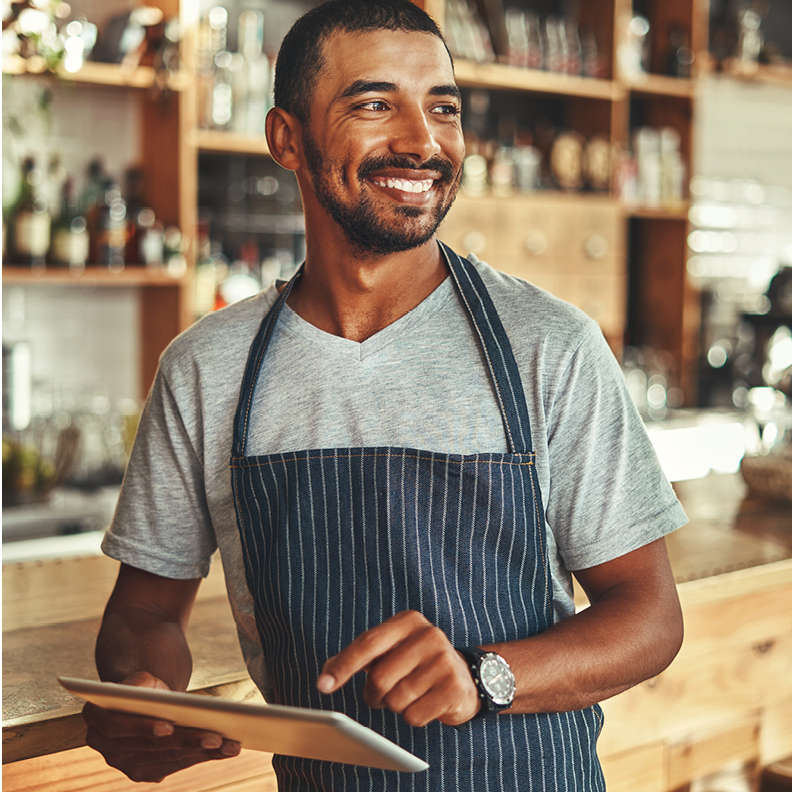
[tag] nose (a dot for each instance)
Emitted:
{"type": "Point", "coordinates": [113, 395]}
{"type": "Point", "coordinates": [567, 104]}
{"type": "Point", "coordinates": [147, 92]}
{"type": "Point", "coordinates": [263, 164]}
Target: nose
{"type": "Point", "coordinates": [413, 135]}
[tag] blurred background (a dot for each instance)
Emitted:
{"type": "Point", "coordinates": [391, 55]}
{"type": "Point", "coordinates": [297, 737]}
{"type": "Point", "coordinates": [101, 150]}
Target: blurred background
{"type": "Point", "coordinates": [633, 158]}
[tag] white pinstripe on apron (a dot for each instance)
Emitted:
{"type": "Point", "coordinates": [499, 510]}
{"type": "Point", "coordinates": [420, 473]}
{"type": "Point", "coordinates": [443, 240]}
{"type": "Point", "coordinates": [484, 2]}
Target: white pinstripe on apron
{"type": "Point", "coordinates": [337, 540]}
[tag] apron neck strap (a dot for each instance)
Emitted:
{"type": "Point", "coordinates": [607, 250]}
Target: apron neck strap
{"type": "Point", "coordinates": [495, 343]}
{"type": "Point", "coordinates": [498, 352]}
{"type": "Point", "coordinates": [255, 358]}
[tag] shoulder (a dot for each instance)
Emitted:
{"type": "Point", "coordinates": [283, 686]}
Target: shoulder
{"type": "Point", "coordinates": [535, 319]}
{"type": "Point", "coordinates": [219, 338]}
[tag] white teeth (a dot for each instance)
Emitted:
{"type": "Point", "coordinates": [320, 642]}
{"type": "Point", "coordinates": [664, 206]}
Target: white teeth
{"type": "Point", "coordinates": [406, 185]}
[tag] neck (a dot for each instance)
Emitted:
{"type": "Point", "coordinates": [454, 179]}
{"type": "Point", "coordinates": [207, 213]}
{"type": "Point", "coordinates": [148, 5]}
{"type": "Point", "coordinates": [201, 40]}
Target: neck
{"type": "Point", "coordinates": [355, 296]}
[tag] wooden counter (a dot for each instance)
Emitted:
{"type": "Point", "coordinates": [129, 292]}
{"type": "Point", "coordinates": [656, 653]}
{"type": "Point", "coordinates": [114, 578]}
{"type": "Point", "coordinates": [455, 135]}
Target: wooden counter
{"type": "Point", "coordinates": [723, 709]}
{"type": "Point", "coordinates": [40, 717]}
{"type": "Point", "coordinates": [727, 696]}
{"type": "Point", "coordinates": [43, 730]}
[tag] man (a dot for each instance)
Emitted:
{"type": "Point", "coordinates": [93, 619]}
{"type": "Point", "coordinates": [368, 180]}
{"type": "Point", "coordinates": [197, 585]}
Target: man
{"type": "Point", "coordinates": [421, 449]}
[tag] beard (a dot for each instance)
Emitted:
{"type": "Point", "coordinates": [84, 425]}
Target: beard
{"type": "Point", "coordinates": [363, 225]}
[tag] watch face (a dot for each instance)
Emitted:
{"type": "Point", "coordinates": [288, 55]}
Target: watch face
{"type": "Point", "coordinates": [497, 679]}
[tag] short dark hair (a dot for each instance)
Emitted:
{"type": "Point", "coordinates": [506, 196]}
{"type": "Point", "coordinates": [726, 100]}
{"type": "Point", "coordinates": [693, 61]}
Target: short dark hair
{"type": "Point", "coordinates": [301, 55]}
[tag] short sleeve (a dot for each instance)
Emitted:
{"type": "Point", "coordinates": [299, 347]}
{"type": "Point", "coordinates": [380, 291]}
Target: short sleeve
{"type": "Point", "coordinates": [162, 522]}
{"type": "Point", "coordinates": [608, 493]}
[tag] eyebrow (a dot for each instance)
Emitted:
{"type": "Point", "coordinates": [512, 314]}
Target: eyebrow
{"type": "Point", "coordinates": [365, 86]}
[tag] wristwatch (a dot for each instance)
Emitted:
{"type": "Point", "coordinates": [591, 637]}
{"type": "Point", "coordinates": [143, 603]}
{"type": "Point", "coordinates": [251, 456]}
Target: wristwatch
{"type": "Point", "coordinates": [493, 679]}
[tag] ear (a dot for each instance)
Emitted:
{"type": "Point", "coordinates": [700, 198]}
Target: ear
{"type": "Point", "coordinates": [284, 138]}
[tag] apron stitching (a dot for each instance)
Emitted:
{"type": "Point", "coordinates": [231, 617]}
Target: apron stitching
{"type": "Point", "coordinates": [245, 464]}
{"type": "Point", "coordinates": [541, 539]}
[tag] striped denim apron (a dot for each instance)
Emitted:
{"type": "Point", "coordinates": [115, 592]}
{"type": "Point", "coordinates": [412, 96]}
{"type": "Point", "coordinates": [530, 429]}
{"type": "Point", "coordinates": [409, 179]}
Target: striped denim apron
{"type": "Point", "coordinates": [336, 540]}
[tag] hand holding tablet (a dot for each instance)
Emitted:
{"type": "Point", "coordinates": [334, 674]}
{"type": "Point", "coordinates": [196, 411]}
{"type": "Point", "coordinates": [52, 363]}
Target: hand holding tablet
{"type": "Point", "coordinates": [293, 731]}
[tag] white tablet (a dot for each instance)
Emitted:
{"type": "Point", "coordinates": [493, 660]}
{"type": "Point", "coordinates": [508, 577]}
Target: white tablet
{"type": "Point", "coordinates": [291, 731]}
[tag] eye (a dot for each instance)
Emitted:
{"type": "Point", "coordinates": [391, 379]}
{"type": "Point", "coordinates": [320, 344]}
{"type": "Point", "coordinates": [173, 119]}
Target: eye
{"type": "Point", "coordinates": [447, 109]}
{"type": "Point", "coordinates": [375, 105]}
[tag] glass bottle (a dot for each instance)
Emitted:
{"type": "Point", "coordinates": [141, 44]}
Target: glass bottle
{"type": "Point", "coordinates": [52, 185]}
{"type": "Point", "coordinates": [90, 198]}
{"type": "Point", "coordinates": [109, 238]}
{"type": "Point", "coordinates": [70, 243]}
{"type": "Point", "coordinates": [31, 225]}
{"type": "Point", "coordinates": [223, 91]}
{"type": "Point", "coordinates": [257, 71]}
{"type": "Point", "coordinates": [149, 236]}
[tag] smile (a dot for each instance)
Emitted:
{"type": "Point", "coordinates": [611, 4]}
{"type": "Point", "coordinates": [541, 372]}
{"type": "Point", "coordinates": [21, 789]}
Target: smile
{"type": "Point", "coordinates": [405, 185]}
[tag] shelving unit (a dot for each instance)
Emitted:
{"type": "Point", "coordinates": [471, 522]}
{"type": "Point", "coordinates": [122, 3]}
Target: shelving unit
{"type": "Point", "coordinates": [165, 301]}
{"type": "Point", "coordinates": [661, 85]}
{"type": "Point", "coordinates": [657, 306]}
{"type": "Point", "coordinates": [501, 77]}
{"type": "Point", "coordinates": [651, 213]}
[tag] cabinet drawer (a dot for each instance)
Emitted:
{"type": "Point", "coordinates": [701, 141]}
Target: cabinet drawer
{"type": "Point", "coordinates": [570, 237]}
{"type": "Point", "coordinates": [497, 228]}
{"type": "Point", "coordinates": [640, 769]}
{"type": "Point", "coordinates": [700, 693]}
{"type": "Point", "coordinates": [589, 232]}
{"type": "Point", "coordinates": [483, 227]}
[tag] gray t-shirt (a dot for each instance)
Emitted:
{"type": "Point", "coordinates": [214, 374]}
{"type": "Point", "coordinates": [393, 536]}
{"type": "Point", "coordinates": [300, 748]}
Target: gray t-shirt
{"type": "Point", "coordinates": [422, 382]}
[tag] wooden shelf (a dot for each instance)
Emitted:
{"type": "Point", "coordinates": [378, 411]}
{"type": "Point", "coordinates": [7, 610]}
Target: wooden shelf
{"type": "Point", "coordinates": [210, 140]}
{"type": "Point", "coordinates": [131, 275]}
{"type": "Point", "coordinates": [662, 85]}
{"type": "Point", "coordinates": [657, 212]}
{"type": "Point", "coordinates": [765, 74]}
{"type": "Point", "coordinates": [514, 78]}
{"type": "Point", "coordinates": [109, 74]}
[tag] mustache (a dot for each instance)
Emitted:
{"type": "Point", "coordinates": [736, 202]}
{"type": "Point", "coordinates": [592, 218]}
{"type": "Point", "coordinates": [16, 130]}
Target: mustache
{"type": "Point", "coordinates": [437, 164]}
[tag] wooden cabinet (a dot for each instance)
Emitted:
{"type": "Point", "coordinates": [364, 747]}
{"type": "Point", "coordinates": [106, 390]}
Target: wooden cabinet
{"type": "Point", "coordinates": [725, 701]}
{"type": "Point", "coordinates": [639, 292]}
{"type": "Point", "coordinates": [570, 246]}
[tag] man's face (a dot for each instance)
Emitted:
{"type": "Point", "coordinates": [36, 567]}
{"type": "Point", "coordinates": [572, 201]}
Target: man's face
{"type": "Point", "coordinates": [383, 144]}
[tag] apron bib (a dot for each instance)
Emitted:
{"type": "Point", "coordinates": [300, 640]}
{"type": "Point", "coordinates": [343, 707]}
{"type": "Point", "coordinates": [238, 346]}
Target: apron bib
{"type": "Point", "coordinates": [337, 540]}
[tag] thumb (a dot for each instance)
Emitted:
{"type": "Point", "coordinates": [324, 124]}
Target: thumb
{"type": "Point", "coordinates": [145, 679]}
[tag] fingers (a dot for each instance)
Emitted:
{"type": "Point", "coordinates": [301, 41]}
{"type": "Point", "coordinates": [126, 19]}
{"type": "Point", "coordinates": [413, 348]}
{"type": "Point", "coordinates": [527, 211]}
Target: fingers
{"type": "Point", "coordinates": [408, 671]}
{"type": "Point", "coordinates": [412, 670]}
{"type": "Point", "coordinates": [149, 749]}
{"type": "Point", "coordinates": [117, 725]}
{"type": "Point", "coordinates": [438, 686]}
{"type": "Point", "coordinates": [367, 647]}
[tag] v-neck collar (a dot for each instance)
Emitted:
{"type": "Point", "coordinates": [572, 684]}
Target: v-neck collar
{"type": "Point", "coordinates": [293, 323]}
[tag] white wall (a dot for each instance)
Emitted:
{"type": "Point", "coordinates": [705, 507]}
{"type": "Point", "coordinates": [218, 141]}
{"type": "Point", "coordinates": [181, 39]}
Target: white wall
{"type": "Point", "coordinates": [86, 340]}
{"type": "Point", "coordinates": [743, 130]}
{"type": "Point", "coordinates": [83, 341]}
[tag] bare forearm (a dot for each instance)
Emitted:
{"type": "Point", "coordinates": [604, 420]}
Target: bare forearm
{"type": "Point", "coordinates": [133, 640]}
{"type": "Point", "coordinates": [589, 657]}
{"type": "Point", "coordinates": [630, 633]}
{"type": "Point", "coordinates": [142, 642]}
{"type": "Point", "coordinates": [144, 628]}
